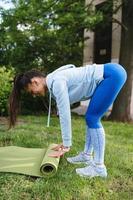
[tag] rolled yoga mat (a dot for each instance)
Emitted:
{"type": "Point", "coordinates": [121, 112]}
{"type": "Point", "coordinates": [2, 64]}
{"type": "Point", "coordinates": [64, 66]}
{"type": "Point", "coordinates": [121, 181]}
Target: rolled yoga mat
{"type": "Point", "coordinates": [28, 161]}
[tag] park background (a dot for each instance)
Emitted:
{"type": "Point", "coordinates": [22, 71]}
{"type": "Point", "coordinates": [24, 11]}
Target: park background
{"type": "Point", "coordinates": [45, 35]}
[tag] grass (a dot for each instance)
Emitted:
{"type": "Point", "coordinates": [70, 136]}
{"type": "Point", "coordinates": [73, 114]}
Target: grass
{"type": "Point", "coordinates": [66, 185]}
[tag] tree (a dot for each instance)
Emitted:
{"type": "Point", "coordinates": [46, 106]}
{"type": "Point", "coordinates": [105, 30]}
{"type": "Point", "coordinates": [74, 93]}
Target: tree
{"type": "Point", "coordinates": [45, 33]}
{"type": "Point", "coordinates": [122, 106]}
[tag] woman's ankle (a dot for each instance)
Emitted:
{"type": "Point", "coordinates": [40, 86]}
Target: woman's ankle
{"type": "Point", "coordinates": [88, 154]}
{"type": "Point", "coordinates": [99, 165]}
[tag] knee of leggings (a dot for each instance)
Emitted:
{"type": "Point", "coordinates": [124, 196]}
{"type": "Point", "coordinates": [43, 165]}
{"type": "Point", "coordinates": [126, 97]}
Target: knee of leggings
{"type": "Point", "coordinates": [92, 121]}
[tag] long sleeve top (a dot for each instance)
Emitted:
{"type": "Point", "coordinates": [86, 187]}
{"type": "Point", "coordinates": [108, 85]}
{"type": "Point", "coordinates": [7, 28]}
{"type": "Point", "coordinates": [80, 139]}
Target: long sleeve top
{"type": "Point", "coordinates": [69, 84]}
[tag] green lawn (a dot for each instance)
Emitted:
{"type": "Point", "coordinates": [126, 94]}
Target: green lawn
{"type": "Point", "coordinates": [66, 185]}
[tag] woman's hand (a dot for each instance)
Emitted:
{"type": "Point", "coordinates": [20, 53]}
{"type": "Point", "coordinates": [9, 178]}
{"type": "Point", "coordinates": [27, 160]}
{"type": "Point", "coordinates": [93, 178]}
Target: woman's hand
{"type": "Point", "coordinates": [60, 150]}
{"type": "Point", "coordinates": [58, 147]}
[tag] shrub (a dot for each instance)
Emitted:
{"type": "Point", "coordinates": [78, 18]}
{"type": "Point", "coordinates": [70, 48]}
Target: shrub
{"type": "Point", "coordinates": [6, 77]}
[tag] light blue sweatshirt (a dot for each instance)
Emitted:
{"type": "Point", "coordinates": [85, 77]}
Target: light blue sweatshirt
{"type": "Point", "coordinates": [69, 84]}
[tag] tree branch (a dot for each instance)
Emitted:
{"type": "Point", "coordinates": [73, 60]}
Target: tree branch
{"type": "Point", "coordinates": [114, 20]}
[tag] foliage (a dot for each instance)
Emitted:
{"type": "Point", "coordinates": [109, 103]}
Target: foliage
{"type": "Point", "coordinates": [45, 33]}
{"type": "Point", "coordinates": [66, 185]}
{"type": "Point", "coordinates": [6, 77]}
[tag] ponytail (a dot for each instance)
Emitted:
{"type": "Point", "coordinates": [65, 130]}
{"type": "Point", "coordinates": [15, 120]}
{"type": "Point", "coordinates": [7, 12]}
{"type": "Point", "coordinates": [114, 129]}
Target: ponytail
{"type": "Point", "coordinates": [14, 99]}
{"type": "Point", "coordinates": [20, 83]}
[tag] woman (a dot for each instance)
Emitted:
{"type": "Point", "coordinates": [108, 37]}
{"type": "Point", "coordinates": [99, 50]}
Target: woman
{"type": "Point", "coordinates": [67, 85]}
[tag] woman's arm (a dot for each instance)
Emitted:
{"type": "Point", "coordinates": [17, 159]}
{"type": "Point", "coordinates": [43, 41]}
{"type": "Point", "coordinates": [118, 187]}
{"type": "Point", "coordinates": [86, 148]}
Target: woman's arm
{"type": "Point", "coordinates": [60, 91]}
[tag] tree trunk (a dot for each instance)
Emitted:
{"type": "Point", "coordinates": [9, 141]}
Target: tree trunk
{"type": "Point", "coordinates": [122, 106]}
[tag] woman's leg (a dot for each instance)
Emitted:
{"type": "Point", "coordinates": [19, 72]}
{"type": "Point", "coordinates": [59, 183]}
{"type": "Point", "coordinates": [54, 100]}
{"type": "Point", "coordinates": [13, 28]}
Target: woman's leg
{"type": "Point", "coordinates": [88, 148]}
{"type": "Point", "coordinates": [104, 95]}
{"type": "Point", "coordinates": [86, 155]}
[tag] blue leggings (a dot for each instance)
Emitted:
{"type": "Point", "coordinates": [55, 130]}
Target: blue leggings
{"type": "Point", "coordinates": [105, 94]}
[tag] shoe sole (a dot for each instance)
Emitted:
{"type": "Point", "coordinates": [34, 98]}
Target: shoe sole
{"type": "Point", "coordinates": [88, 177]}
{"type": "Point", "coordinates": [85, 176]}
{"type": "Point", "coordinates": [84, 162]}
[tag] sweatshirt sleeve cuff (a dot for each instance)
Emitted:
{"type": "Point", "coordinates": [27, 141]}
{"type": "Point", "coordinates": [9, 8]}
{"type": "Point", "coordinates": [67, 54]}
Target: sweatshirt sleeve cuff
{"type": "Point", "coordinates": [67, 143]}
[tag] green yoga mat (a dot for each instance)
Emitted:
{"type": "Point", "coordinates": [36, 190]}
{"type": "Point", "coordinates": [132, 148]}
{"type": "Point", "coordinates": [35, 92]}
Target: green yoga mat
{"type": "Point", "coordinates": [28, 161]}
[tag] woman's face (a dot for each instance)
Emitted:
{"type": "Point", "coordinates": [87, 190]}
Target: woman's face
{"type": "Point", "coordinates": [37, 87]}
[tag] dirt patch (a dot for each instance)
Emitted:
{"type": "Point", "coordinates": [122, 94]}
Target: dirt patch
{"type": "Point", "coordinates": [4, 121]}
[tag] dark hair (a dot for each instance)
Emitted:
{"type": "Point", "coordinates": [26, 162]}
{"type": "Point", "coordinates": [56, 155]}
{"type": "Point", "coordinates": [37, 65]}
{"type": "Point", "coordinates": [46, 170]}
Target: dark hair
{"type": "Point", "coordinates": [21, 81]}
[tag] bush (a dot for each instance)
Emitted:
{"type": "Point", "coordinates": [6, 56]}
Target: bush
{"type": "Point", "coordinates": [6, 77]}
{"type": "Point", "coordinates": [29, 104]}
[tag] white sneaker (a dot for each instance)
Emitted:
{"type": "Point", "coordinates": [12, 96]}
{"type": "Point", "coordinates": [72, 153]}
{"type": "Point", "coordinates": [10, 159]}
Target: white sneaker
{"type": "Point", "coordinates": [92, 171]}
{"type": "Point", "coordinates": [80, 158]}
